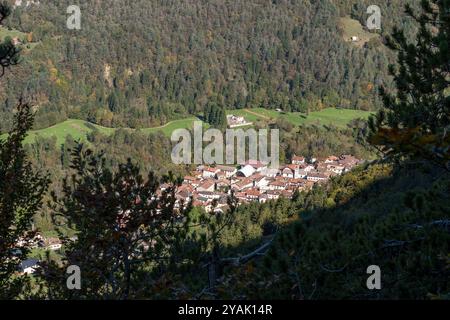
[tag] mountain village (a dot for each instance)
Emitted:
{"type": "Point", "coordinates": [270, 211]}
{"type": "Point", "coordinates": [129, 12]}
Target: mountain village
{"type": "Point", "coordinates": [211, 186]}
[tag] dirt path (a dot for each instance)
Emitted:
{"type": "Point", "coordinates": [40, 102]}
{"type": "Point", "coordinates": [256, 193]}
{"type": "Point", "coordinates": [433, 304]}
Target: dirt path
{"type": "Point", "coordinates": [257, 114]}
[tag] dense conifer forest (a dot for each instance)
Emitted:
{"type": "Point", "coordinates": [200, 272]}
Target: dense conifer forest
{"type": "Point", "coordinates": [141, 63]}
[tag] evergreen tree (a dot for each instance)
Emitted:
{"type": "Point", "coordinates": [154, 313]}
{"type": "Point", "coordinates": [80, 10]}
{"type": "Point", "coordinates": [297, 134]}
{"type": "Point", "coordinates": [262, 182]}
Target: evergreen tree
{"type": "Point", "coordinates": [118, 222]}
{"type": "Point", "coordinates": [21, 192]}
{"type": "Point", "coordinates": [9, 54]}
{"type": "Point", "coordinates": [21, 187]}
{"type": "Point", "coordinates": [416, 118]}
{"type": "Point", "coordinates": [130, 234]}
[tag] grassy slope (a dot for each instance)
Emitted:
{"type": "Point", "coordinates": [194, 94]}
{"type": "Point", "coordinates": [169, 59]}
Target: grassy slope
{"type": "Point", "coordinates": [4, 32]}
{"type": "Point", "coordinates": [337, 117]}
{"type": "Point", "coordinates": [78, 129]}
{"type": "Point", "coordinates": [351, 27]}
{"type": "Point", "coordinates": [168, 128]}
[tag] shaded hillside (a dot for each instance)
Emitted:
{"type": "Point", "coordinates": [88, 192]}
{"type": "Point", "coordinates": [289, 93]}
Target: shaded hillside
{"type": "Point", "coordinates": [397, 219]}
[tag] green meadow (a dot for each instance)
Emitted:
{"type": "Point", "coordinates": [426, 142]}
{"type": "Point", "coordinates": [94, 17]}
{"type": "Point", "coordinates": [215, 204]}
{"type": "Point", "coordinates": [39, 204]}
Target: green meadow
{"type": "Point", "coordinates": [4, 32]}
{"type": "Point", "coordinates": [351, 27]}
{"type": "Point", "coordinates": [329, 116]}
{"type": "Point", "coordinates": [79, 129]}
{"type": "Point", "coordinates": [167, 129]}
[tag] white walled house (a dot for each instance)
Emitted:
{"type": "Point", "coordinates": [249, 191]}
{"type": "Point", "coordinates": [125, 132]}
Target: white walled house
{"type": "Point", "coordinates": [276, 185]}
{"type": "Point", "coordinates": [228, 171]}
{"type": "Point", "coordinates": [301, 174]}
{"type": "Point", "coordinates": [298, 160]}
{"type": "Point", "coordinates": [288, 173]}
{"type": "Point", "coordinates": [261, 182]}
{"type": "Point", "coordinates": [270, 173]}
{"type": "Point", "coordinates": [29, 266]}
{"type": "Point", "coordinates": [55, 246]}
{"type": "Point", "coordinates": [209, 172]}
{"type": "Point", "coordinates": [208, 186]}
{"type": "Point", "coordinates": [336, 169]}
{"type": "Point", "coordinates": [316, 177]}
{"type": "Point", "coordinates": [246, 171]}
{"type": "Point", "coordinates": [257, 165]}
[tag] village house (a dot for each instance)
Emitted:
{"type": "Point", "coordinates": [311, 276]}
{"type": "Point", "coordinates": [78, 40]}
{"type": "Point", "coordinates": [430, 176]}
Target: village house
{"type": "Point", "coordinates": [255, 182]}
{"type": "Point", "coordinates": [196, 183]}
{"type": "Point", "coordinates": [276, 185]}
{"type": "Point", "coordinates": [288, 173]}
{"type": "Point", "coordinates": [287, 194]}
{"type": "Point", "coordinates": [243, 184]}
{"type": "Point", "coordinates": [321, 166]}
{"type": "Point", "coordinates": [316, 176]}
{"type": "Point", "coordinates": [291, 171]}
{"type": "Point", "coordinates": [336, 168]}
{"type": "Point", "coordinates": [270, 172]}
{"type": "Point", "coordinates": [29, 266]}
{"type": "Point", "coordinates": [209, 172]}
{"type": "Point", "coordinates": [246, 171]}
{"type": "Point", "coordinates": [298, 160]}
{"type": "Point", "coordinates": [296, 182]}
{"type": "Point", "coordinates": [189, 180]}
{"type": "Point", "coordinates": [223, 185]}
{"type": "Point", "coordinates": [208, 185]}
{"type": "Point", "coordinates": [301, 174]}
{"type": "Point", "coordinates": [348, 161]}
{"type": "Point", "coordinates": [260, 181]}
{"type": "Point", "coordinates": [241, 196]}
{"type": "Point", "coordinates": [258, 166]}
{"type": "Point", "coordinates": [263, 198]}
{"type": "Point", "coordinates": [331, 159]}
{"type": "Point", "coordinates": [252, 194]}
{"type": "Point", "coordinates": [223, 202]}
{"type": "Point", "coordinates": [228, 171]}
{"type": "Point", "coordinates": [221, 176]}
{"type": "Point", "coordinates": [209, 195]}
{"type": "Point", "coordinates": [273, 194]}
{"type": "Point", "coordinates": [235, 121]}
{"type": "Point", "coordinates": [53, 244]}
{"type": "Point", "coordinates": [184, 195]}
